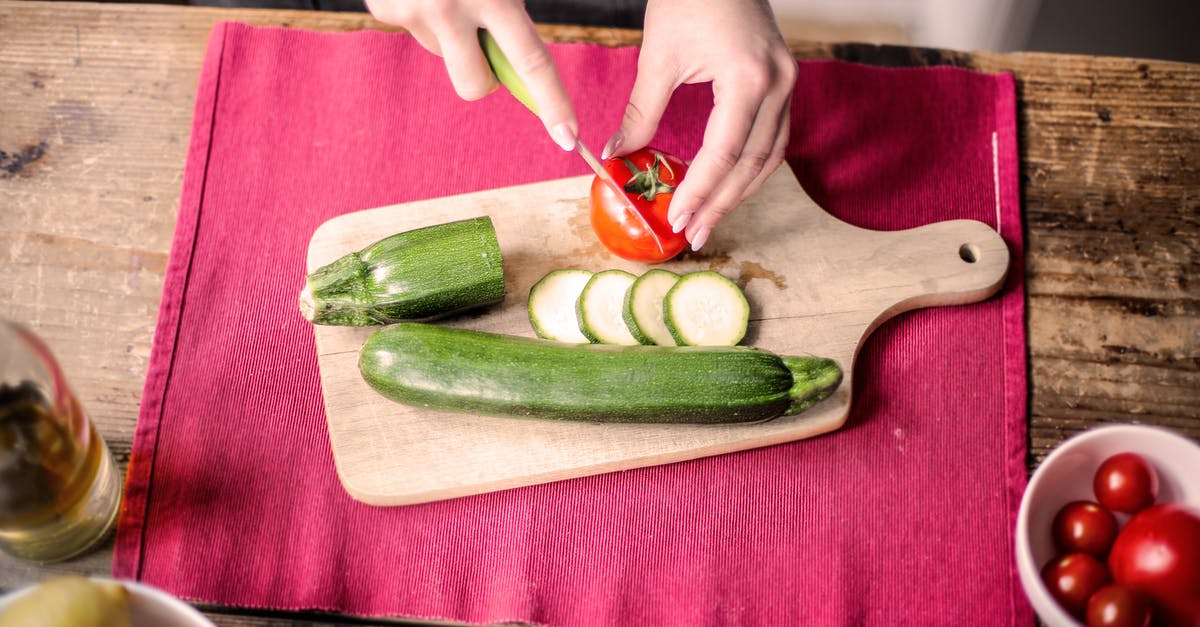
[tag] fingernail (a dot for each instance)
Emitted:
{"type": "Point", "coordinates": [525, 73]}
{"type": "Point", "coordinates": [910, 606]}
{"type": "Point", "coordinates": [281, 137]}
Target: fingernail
{"type": "Point", "coordinates": [613, 144]}
{"type": "Point", "coordinates": [681, 222]}
{"type": "Point", "coordinates": [563, 136]}
{"type": "Point", "coordinates": [700, 237]}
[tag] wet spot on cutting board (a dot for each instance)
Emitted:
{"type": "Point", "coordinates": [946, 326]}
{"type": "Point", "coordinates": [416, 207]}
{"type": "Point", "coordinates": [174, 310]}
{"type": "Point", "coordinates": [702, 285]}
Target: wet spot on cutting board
{"type": "Point", "coordinates": [750, 270]}
{"type": "Point", "coordinates": [581, 221]}
{"type": "Point", "coordinates": [14, 163]}
{"type": "Point", "coordinates": [711, 256]}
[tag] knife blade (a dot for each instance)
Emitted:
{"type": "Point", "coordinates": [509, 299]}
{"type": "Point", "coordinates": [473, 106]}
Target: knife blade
{"type": "Point", "coordinates": [508, 78]}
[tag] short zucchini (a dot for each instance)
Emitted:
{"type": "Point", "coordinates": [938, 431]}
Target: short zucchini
{"type": "Point", "coordinates": [450, 369]}
{"type": "Point", "coordinates": [415, 275]}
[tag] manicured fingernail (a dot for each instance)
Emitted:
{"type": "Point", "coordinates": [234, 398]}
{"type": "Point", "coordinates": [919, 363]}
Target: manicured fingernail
{"type": "Point", "coordinates": [680, 223]}
{"type": "Point", "coordinates": [700, 237]}
{"type": "Point", "coordinates": [563, 136]}
{"type": "Point", "coordinates": [613, 144]}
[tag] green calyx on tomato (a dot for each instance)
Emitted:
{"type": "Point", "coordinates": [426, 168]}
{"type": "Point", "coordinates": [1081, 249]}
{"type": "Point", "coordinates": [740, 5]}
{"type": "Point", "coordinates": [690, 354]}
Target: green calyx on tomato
{"type": "Point", "coordinates": [647, 183]}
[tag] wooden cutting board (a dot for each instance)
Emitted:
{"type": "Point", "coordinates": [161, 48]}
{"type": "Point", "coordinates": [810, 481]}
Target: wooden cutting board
{"type": "Point", "coordinates": [816, 285]}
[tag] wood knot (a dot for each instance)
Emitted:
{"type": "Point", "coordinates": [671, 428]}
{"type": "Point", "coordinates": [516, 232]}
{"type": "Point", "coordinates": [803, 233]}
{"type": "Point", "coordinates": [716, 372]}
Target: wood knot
{"type": "Point", "coordinates": [12, 164]}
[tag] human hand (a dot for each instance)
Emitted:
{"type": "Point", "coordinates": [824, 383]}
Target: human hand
{"type": "Point", "coordinates": [450, 29]}
{"type": "Point", "coordinates": [737, 45]}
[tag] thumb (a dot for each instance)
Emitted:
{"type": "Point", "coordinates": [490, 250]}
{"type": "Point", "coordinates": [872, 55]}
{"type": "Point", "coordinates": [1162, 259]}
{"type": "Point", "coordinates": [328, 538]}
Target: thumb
{"type": "Point", "coordinates": [652, 90]}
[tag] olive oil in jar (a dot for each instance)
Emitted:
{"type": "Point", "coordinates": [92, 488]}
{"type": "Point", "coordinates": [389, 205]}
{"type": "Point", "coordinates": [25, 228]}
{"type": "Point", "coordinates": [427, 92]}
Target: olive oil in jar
{"type": "Point", "coordinates": [59, 488]}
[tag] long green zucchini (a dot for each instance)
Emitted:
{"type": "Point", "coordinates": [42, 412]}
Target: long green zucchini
{"type": "Point", "coordinates": [415, 275]}
{"type": "Point", "coordinates": [450, 369]}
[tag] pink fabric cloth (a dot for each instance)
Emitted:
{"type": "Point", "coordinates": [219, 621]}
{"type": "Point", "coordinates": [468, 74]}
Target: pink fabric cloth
{"type": "Point", "coordinates": [903, 516]}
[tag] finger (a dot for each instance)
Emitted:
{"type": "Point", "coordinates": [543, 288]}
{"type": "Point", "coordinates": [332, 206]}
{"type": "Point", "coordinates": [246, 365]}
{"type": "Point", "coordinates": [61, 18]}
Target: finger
{"type": "Point", "coordinates": [787, 87]}
{"type": "Point", "coordinates": [725, 135]}
{"type": "Point", "coordinates": [763, 153]}
{"type": "Point", "coordinates": [778, 151]}
{"type": "Point", "coordinates": [426, 38]}
{"type": "Point", "coordinates": [519, 39]}
{"type": "Point", "coordinates": [469, 71]}
{"type": "Point", "coordinates": [652, 89]}
{"type": "Point", "coordinates": [405, 14]}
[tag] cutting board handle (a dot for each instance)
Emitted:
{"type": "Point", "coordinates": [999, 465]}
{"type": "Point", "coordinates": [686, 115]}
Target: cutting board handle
{"type": "Point", "coordinates": [953, 262]}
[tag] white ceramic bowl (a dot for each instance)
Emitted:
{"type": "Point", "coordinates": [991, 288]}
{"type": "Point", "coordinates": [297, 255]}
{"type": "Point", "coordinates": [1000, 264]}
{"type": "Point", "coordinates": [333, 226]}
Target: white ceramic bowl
{"type": "Point", "coordinates": [1066, 475]}
{"type": "Point", "coordinates": [148, 607]}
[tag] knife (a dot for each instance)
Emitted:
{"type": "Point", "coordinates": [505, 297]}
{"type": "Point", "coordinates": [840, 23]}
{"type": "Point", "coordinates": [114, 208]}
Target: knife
{"type": "Point", "coordinates": [508, 77]}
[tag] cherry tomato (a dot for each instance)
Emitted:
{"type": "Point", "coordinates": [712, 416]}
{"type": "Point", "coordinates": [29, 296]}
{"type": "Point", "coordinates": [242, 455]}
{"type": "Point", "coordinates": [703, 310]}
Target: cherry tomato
{"type": "Point", "coordinates": [1158, 552]}
{"type": "Point", "coordinates": [1115, 605]}
{"type": "Point", "coordinates": [649, 178]}
{"type": "Point", "coordinates": [1073, 578]}
{"type": "Point", "coordinates": [1084, 527]}
{"type": "Point", "coordinates": [1126, 482]}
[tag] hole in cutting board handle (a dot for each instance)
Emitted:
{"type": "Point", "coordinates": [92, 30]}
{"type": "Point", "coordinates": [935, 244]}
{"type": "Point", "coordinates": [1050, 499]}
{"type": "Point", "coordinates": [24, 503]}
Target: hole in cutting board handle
{"type": "Point", "coordinates": [968, 253]}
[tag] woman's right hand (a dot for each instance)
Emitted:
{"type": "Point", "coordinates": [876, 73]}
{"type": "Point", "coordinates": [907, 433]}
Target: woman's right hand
{"type": "Point", "coordinates": [450, 29]}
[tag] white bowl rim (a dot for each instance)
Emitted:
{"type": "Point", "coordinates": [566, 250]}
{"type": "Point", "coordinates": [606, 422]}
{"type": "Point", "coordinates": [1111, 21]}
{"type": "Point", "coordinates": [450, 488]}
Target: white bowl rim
{"type": "Point", "coordinates": [136, 589]}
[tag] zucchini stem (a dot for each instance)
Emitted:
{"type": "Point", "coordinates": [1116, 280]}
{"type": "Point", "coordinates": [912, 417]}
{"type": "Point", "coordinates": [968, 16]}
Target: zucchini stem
{"type": "Point", "coordinates": [308, 308]}
{"type": "Point", "coordinates": [813, 380]}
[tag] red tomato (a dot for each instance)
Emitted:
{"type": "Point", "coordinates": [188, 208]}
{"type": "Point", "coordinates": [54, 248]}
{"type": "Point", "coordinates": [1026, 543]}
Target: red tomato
{"type": "Point", "coordinates": [1073, 578]}
{"type": "Point", "coordinates": [1118, 606]}
{"type": "Point", "coordinates": [649, 178]}
{"type": "Point", "coordinates": [1084, 527]}
{"type": "Point", "coordinates": [1126, 482]}
{"type": "Point", "coordinates": [1158, 552]}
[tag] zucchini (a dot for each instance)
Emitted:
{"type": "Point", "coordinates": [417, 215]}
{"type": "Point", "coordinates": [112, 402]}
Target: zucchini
{"type": "Point", "coordinates": [706, 309]}
{"type": "Point", "coordinates": [552, 305]}
{"type": "Point", "coordinates": [459, 370]}
{"type": "Point", "coordinates": [643, 310]}
{"type": "Point", "coordinates": [601, 308]}
{"type": "Point", "coordinates": [414, 275]}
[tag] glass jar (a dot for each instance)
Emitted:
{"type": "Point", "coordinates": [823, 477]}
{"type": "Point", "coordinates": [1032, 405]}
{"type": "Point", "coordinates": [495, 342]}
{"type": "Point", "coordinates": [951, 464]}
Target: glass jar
{"type": "Point", "coordinates": [60, 490]}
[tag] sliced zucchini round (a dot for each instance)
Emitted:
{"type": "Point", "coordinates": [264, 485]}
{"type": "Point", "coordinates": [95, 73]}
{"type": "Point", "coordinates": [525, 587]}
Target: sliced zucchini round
{"type": "Point", "coordinates": [643, 308]}
{"type": "Point", "coordinates": [552, 305]}
{"type": "Point", "coordinates": [706, 309]}
{"type": "Point", "coordinates": [601, 308]}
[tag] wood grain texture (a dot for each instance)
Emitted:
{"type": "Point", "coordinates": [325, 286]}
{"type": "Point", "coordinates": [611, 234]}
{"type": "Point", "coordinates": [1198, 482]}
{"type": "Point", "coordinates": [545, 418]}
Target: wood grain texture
{"type": "Point", "coordinates": [852, 281]}
{"type": "Point", "coordinates": [95, 111]}
{"type": "Point", "coordinates": [1110, 166]}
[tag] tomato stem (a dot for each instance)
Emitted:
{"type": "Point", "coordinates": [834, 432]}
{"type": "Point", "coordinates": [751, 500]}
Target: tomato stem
{"type": "Point", "coordinates": [647, 183]}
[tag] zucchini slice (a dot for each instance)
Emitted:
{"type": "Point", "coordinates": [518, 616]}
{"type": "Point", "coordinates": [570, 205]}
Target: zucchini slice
{"type": "Point", "coordinates": [643, 309]}
{"type": "Point", "coordinates": [552, 305]}
{"type": "Point", "coordinates": [706, 309]}
{"type": "Point", "coordinates": [601, 308]}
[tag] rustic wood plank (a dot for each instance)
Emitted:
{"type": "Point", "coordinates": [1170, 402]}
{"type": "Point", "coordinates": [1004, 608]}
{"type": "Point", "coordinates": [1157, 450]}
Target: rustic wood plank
{"type": "Point", "coordinates": [1110, 166]}
{"type": "Point", "coordinates": [95, 111]}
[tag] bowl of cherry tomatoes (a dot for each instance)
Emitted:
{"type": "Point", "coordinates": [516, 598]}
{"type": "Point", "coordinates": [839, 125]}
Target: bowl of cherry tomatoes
{"type": "Point", "coordinates": [1108, 532]}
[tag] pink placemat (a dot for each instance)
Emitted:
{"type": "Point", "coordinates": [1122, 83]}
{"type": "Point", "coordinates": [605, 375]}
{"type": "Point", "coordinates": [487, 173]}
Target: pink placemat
{"type": "Point", "coordinates": [905, 515]}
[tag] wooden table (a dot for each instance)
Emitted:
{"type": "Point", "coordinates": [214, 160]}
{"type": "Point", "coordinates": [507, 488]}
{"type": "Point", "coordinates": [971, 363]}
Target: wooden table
{"type": "Point", "coordinates": [95, 112]}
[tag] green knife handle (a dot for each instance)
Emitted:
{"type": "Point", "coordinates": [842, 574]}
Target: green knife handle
{"type": "Point", "coordinates": [504, 70]}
